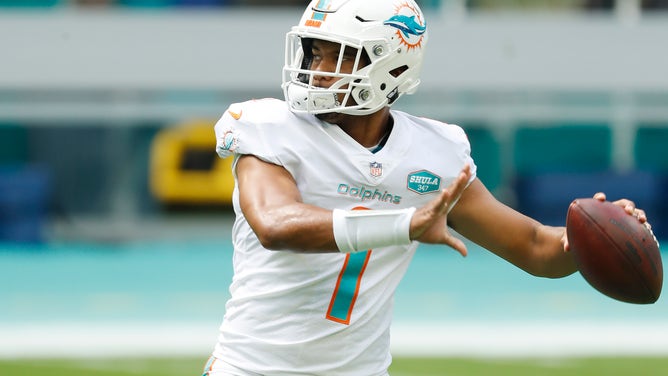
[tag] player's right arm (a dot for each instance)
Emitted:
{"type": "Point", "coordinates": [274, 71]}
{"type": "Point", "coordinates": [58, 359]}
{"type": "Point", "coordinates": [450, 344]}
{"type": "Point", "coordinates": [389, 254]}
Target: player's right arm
{"type": "Point", "coordinates": [272, 205]}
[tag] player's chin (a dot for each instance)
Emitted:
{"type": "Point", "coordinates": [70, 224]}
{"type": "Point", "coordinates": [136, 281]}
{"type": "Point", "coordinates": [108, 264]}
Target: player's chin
{"type": "Point", "coordinates": [329, 117]}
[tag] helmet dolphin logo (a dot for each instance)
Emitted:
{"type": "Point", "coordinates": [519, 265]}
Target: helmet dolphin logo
{"type": "Point", "coordinates": [407, 25]}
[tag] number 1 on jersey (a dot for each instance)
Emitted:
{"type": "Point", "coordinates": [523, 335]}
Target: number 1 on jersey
{"type": "Point", "coordinates": [348, 285]}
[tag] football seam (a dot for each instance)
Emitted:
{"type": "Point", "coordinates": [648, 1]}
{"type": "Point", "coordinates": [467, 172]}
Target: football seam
{"type": "Point", "coordinates": [635, 269]}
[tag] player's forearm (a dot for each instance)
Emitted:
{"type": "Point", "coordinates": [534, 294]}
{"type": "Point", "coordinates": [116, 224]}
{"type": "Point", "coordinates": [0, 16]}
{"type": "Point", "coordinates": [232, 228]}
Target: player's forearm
{"type": "Point", "coordinates": [551, 260]}
{"type": "Point", "coordinates": [306, 228]}
{"type": "Point", "coordinates": [299, 227]}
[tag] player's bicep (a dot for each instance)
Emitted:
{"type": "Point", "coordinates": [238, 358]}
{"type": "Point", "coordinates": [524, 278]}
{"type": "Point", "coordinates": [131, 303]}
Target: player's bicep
{"type": "Point", "coordinates": [272, 204]}
{"type": "Point", "coordinates": [263, 186]}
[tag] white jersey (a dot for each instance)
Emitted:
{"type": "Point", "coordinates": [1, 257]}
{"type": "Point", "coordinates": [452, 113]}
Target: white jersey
{"type": "Point", "coordinates": [326, 314]}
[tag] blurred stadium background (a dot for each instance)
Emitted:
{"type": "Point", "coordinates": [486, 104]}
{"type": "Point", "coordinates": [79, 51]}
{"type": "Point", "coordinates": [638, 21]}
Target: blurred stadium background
{"type": "Point", "coordinates": [114, 211]}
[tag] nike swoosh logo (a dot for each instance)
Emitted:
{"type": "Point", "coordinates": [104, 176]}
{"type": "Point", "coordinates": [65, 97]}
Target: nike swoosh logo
{"type": "Point", "coordinates": [235, 115]}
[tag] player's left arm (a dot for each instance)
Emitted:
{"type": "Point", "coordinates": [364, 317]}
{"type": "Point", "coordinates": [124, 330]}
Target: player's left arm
{"type": "Point", "coordinates": [521, 240]}
{"type": "Point", "coordinates": [536, 248]}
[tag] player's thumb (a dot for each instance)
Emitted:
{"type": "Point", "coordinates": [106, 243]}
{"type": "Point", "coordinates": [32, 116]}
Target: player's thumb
{"type": "Point", "coordinates": [458, 245]}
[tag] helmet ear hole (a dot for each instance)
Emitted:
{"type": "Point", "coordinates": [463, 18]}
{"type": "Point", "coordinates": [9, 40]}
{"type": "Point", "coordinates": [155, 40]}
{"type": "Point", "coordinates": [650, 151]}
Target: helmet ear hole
{"type": "Point", "coordinates": [364, 58]}
{"type": "Point", "coordinates": [396, 72]}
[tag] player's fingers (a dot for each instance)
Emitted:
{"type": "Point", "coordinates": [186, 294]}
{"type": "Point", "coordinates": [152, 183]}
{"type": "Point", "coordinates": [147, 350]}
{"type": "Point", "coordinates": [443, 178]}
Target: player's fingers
{"type": "Point", "coordinates": [628, 205]}
{"type": "Point", "coordinates": [440, 204]}
{"type": "Point", "coordinates": [456, 188]}
{"type": "Point", "coordinates": [438, 207]}
{"type": "Point", "coordinates": [649, 228]}
{"type": "Point", "coordinates": [600, 196]}
{"type": "Point", "coordinates": [630, 208]}
{"type": "Point", "coordinates": [457, 245]}
{"type": "Point", "coordinates": [462, 179]}
{"type": "Point", "coordinates": [564, 241]}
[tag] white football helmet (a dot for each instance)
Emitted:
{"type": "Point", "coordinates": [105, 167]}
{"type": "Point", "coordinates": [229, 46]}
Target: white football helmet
{"type": "Point", "coordinates": [389, 35]}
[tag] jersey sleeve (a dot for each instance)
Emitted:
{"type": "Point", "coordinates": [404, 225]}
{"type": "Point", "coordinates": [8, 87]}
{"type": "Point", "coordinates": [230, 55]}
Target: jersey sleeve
{"type": "Point", "coordinates": [465, 151]}
{"type": "Point", "coordinates": [241, 131]}
{"type": "Point", "coordinates": [458, 142]}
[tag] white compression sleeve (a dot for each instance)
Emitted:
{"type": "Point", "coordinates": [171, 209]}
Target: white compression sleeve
{"type": "Point", "coordinates": [359, 230]}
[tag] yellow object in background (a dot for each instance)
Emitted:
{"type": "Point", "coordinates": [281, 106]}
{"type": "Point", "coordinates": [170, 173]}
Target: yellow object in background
{"type": "Point", "coordinates": [185, 168]}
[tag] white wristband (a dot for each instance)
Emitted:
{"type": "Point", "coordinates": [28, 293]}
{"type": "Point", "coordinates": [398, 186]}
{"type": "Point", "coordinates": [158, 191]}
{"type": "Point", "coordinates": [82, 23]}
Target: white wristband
{"type": "Point", "coordinates": [359, 230]}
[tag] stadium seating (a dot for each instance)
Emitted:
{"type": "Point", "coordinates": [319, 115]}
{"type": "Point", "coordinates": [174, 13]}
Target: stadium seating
{"type": "Point", "coordinates": [546, 196]}
{"type": "Point", "coordinates": [13, 144]}
{"type": "Point", "coordinates": [29, 3]}
{"type": "Point", "coordinates": [147, 3]}
{"type": "Point", "coordinates": [555, 163]}
{"type": "Point", "coordinates": [174, 3]}
{"type": "Point", "coordinates": [650, 152]}
{"type": "Point", "coordinates": [486, 152]}
{"type": "Point", "coordinates": [24, 203]}
{"type": "Point", "coordinates": [545, 148]}
{"type": "Point", "coordinates": [203, 3]}
{"type": "Point", "coordinates": [24, 188]}
{"type": "Point", "coordinates": [650, 148]}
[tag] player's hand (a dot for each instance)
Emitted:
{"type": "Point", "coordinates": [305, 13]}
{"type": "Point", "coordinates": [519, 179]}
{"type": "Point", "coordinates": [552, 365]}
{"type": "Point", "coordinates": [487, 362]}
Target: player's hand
{"type": "Point", "coordinates": [429, 223]}
{"type": "Point", "coordinates": [628, 206]}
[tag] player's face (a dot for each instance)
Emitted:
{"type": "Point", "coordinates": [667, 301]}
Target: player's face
{"type": "Point", "coordinates": [325, 59]}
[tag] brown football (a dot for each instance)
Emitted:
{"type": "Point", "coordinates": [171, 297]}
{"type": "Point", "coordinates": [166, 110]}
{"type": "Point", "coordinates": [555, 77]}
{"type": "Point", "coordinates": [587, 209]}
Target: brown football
{"type": "Point", "coordinates": [614, 252]}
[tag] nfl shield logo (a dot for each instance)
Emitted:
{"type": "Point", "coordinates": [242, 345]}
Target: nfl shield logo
{"type": "Point", "coordinates": [376, 169]}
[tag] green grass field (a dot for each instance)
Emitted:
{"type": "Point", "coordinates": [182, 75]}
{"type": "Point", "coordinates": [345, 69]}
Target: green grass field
{"type": "Point", "coordinates": [620, 366]}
